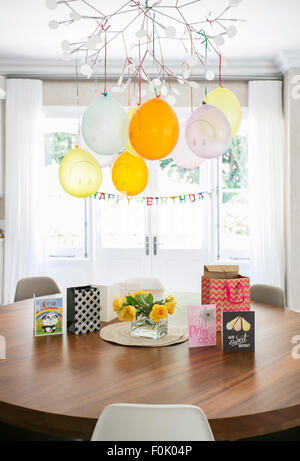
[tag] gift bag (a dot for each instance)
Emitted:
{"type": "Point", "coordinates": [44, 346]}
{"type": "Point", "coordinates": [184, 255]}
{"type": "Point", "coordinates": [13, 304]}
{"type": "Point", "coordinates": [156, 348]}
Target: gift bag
{"type": "Point", "coordinates": [83, 309]}
{"type": "Point", "coordinates": [225, 287]}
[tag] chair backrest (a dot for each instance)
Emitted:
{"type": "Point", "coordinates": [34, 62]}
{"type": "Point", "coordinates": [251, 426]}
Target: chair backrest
{"type": "Point", "coordinates": [132, 422]}
{"type": "Point", "coordinates": [147, 283]}
{"type": "Point", "coordinates": [267, 294]}
{"type": "Point", "coordinates": [38, 286]}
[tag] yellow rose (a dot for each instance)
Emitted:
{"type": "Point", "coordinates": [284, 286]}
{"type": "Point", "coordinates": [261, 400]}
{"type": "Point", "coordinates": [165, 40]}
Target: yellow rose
{"type": "Point", "coordinates": [127, 314]}
{"type": "Point", "coordinates": [171, 306]}
{"type": "Point", "coordinates": [158, 312]}
{"type": "Point", "coordinates": [118, 303]}
{"type": "Point", "coordinates": [170, 299]}
{"type": "Point", "coordinates": [141, 292]}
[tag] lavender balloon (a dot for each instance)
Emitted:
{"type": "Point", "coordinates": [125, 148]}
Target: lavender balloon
{"type": "Point", "coordinates": [182, 155]}
{"type": "Point", "coordinates": [208, 132]}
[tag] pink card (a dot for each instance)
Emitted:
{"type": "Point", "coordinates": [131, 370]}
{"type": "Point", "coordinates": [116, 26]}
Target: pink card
{"type": "Point", "coordinates": [202, 325]}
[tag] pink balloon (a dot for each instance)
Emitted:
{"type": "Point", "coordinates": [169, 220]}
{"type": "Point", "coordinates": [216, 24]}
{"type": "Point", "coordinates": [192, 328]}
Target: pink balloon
{"type": "Point", "coordinates": [182, 155]}
{"type": "Point", "coordinates": [208, 132]}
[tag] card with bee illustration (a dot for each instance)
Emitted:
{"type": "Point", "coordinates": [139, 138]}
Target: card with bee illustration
{"type": "Point", "coordinates": [238, 333]}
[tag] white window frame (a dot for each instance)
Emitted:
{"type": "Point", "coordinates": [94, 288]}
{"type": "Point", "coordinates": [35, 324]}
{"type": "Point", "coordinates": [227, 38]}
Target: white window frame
{"type": "Point", "coordinates": [229, 256]}
{"type": "Point", "coordinates": [65, 119]}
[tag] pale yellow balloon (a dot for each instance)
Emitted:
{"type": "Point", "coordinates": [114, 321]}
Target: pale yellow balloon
{"type": "Point", "coordinates": [228, 103]}
{"type": "Point", "coordinates": [80, 174]}
{"type": "Point", "coordinates": [130, 114]}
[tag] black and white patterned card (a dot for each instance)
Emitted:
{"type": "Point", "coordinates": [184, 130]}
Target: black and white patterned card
{"type": "Point", "coordinates": [238, 332]}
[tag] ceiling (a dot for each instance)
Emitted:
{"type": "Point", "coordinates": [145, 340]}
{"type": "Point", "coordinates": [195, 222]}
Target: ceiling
{"type": "Point", "coordinates": [266, 44]}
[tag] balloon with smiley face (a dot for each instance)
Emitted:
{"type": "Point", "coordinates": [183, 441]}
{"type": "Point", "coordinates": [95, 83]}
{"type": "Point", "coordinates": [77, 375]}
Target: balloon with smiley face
{"type": "Point", "coordinates": [79, 173]}
{"type": "Point", "coordinates": [208, 132]}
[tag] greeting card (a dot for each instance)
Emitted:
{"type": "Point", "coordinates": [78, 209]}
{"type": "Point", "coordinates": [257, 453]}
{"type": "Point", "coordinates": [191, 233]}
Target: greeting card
{"type": "Point", "coordinates": [202, 325]}
{"type": "Point", "coordinates": [48, 316]}
{"type": "Point", "coordinates": [238, 331]}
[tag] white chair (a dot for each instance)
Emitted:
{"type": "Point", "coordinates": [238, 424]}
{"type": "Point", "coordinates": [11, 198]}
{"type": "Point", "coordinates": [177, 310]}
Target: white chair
{"type": "Point", "coordinates": [133, 422]}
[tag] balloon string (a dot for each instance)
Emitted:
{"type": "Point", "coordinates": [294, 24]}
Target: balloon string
{"type": "Point", "coordinates": [192, 101]}
{"type": "Point", "coordinates": [202, 32]}
{"type": "Point", "coordinates": [140, 76]}
{"type": "Point", "coordinates": [220, 70]}
{"type": "Point", "coordinates": [153, 33]}
{"type": "Point", "coordinates": [105, 64]}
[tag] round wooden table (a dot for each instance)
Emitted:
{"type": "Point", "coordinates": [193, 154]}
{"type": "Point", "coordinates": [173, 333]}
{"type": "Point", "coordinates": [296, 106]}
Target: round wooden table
{"type": "Point", "coordinates": [60, 384]}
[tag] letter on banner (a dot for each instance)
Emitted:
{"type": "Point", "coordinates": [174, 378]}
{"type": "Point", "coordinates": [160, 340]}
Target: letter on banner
{"type": "Point", "coordinates": [173, 199]}
{"type": "Point", "coordinates": [110, 196]}
{"type": "Point", "coordinates": [182, 198]}
{"type": "Point", "coordinates": [149, 201]}
{"type": "Point", "coordinates": [102, 196]}
{"type": "Point", "coordinates": [192, 198]}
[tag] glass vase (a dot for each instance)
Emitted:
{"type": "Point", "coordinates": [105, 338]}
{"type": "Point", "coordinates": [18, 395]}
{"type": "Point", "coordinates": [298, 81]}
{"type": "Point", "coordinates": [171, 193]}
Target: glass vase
{"type": "Point", "coordinates": [145, 327]}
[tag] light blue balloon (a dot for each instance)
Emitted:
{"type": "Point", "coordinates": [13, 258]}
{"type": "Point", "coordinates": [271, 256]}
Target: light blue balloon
{"type": "Point", "coordinates": [105, 126]}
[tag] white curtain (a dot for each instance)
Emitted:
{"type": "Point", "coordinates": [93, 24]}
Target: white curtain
{"type": "Point", "coordinates": [266, 176]}
{"type": "Point", "coordinates": [23, 186]}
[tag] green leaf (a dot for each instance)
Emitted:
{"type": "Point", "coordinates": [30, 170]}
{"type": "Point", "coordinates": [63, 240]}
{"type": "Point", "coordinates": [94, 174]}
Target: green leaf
{"type": "Point", "coordinates": [149, 299]}
{"type": "Point", "coordinates": [131, 300]}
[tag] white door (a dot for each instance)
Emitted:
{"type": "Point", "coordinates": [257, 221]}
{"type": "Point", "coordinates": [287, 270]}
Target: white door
{"type": "Point", "coordinates": [169, 241]}
{"type": "Point", "coordinates": [180, 229]}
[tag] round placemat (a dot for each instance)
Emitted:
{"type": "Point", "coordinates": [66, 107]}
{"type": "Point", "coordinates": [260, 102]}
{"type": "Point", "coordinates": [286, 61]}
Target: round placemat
{"type": "Point", "coordinates": [119, 333]}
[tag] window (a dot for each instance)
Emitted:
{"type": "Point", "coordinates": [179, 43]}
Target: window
{"type": "Point", "coordinates": [66, 223]}
{"type": "Point", "coordinates": [233, 238]}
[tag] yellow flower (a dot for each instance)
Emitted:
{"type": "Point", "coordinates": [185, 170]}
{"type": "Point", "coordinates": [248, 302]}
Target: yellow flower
{"type": "Point", "coordinates": [141, 292]}
{"type": "Point", "coordinates": [170, 298]}
{"type": "Point", "coordinates": [171, 306]}
{"type": "Point", "coordinates": [158, 312]}
{"type": "Point", "coordinates": [127, 314]}
{"type": "Point", "coordinates": [118, 303]}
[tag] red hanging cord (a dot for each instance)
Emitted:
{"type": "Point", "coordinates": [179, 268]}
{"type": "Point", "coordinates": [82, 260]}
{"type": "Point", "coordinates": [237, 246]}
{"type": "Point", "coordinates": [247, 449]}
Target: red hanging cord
{"type": "Point", "coordinates": [140, 76]}
{"type": "Point", "coordinates": [220, 70]}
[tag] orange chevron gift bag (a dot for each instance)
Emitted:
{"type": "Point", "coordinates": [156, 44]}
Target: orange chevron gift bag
{"type": "Point", "coordinates": [227, 289]}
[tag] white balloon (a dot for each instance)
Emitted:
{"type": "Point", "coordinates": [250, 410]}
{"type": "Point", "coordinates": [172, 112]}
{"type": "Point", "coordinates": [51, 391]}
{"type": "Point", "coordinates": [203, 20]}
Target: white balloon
{"type": "Point", "coordinates": [51, 4]}
{"type": "Point", "coordinates": [170, 32]}
{"type": "Point", "coordinates": [231, 31]}
{"type": "Point", "coordinates": [105, 126]}
{"type": "Point", "coordinates": [86, 70]}
{"type": "Point", "coordinates": [171, 100]}
{"type": "Point", "coordinates": [182, 155]}
{"type": "Point", "coordinates": [210, 75]}
{"type": "Point", "coordinates": [219, 40]}
{"type": "Point", "coordinates": [53, 24]}
{"type": "Point", "coordinates": [65, 45]}
{"type": "Point", "coordinates": [75, 16]}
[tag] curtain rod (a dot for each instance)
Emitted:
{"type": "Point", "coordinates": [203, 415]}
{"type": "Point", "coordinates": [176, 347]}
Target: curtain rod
{"type": "Point", "coordinates": [115, 78]}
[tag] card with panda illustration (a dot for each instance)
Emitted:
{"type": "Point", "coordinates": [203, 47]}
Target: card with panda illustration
{"type": "Point", "coordinates": [238, 333]}
{"type": "Point", "coordinates": [48, 316]}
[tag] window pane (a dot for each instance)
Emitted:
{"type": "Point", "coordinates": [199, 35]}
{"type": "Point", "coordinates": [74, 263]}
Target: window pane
{"type": "Point", "coordinates": [123, 225]}
{"type": "Point", "coordinates": [235, 164]}
{"type": "Point", "coordinates": [235, 227]}
{"type": "Point", "coordinates": [180, 224]}
{"type": "Point", "coordinates": [65, 232]}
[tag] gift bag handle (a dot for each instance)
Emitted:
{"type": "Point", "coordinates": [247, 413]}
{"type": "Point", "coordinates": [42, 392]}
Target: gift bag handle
{"type": "Point", "coordinates": [229, 294]}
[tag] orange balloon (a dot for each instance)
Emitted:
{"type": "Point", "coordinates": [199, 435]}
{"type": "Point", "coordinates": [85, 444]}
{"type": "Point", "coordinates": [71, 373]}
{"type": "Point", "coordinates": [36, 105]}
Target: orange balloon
{"type": "Point", "coordinates": [154, 129]}
{"type": "Point", "coordinates": [130, 174]}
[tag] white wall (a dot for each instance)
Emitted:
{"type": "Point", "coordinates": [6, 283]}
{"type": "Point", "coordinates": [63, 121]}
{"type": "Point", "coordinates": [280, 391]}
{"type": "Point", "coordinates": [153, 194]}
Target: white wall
{"type": "Point", "coordinates": [63, 92]}
{"type": "Point", "coordinates": [292, 188]}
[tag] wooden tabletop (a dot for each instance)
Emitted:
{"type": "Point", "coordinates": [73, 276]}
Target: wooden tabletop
{"type": "Point", "coordinates": [60, 384]}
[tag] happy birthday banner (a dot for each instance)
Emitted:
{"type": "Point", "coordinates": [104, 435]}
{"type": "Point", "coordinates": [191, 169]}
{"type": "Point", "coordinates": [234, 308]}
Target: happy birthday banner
{"type": "Point", "coordinates": [161, 200]}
